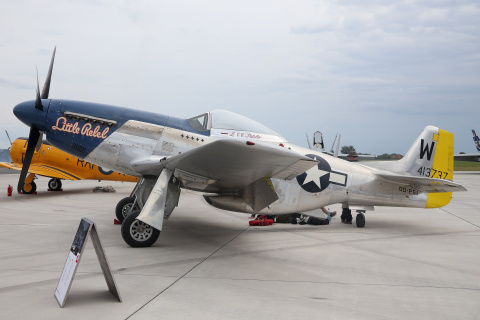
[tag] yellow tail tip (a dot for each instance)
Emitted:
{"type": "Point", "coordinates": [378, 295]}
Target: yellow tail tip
{"type": "Point", "coordinates": [438, 200]}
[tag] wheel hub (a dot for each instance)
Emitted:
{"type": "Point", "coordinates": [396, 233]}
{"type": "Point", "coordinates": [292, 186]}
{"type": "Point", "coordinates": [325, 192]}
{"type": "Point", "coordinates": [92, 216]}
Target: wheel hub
{"type": "Point", "coordinates": [141, 231]}
{"type": "Point", "coordinates": [126, 210]}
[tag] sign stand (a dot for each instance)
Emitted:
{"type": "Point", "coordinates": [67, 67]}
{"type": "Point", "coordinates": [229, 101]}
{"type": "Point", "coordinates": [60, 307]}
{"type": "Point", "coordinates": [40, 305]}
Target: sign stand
{"type": "Point", "coordinates": [85, 228]}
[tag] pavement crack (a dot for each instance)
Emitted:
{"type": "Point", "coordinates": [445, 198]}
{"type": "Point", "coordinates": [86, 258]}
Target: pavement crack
{"type": "Point", "coordinates": [186, 273]}
{"type": "Point", "coordinates": [452, 214]}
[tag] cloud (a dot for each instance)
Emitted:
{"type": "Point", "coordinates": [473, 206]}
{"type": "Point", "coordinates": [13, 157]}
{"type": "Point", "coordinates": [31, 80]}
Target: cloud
{"type": "Point", "coordinates": [13, 84]}
{"type": "Point", "coordinates": [356, 67]}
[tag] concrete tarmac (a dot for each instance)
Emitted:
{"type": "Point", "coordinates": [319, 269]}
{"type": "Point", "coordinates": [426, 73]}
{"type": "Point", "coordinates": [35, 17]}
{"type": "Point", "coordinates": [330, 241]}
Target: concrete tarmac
{"type": "Point", "coordinates": [209, 264]}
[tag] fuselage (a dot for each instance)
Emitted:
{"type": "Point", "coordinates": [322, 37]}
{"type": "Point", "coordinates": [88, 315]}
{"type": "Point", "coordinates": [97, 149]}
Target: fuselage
{"type": "Point", "coordinates": [51, 162]}
{"type": "Point", "coordinates": [115, 138]}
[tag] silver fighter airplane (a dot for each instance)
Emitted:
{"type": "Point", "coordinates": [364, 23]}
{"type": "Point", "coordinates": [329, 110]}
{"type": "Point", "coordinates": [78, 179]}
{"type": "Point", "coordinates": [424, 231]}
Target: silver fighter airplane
{"type": "Point", "coordinates": [238, 163]}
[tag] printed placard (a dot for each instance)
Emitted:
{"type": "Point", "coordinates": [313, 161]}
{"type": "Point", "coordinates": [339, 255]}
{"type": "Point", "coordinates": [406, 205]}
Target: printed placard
{"type": "Point", "coordinates": [85, 228]}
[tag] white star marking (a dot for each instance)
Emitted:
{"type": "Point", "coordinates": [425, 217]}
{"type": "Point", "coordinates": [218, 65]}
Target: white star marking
{"type": "Point", "coordinates": [314, 174]}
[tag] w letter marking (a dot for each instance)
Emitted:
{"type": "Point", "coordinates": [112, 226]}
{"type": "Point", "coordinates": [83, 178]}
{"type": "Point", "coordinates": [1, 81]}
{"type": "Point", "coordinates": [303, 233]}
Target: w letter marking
{"type": "Point", "coordinates": [424, 148]}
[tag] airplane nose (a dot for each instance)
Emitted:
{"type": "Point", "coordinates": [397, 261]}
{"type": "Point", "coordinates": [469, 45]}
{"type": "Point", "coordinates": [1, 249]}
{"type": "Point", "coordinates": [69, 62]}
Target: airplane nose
{"type": "Point", "coordinates": [31, 116]}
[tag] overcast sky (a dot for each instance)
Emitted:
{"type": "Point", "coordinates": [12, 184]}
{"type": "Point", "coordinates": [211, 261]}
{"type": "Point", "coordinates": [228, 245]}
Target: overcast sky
{"type": "Point", "coordinates": [375, 71]}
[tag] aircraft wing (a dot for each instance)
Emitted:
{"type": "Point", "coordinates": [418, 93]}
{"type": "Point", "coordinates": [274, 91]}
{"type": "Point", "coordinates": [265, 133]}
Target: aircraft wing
{"type": "Point", "coordinates": [423, 184]}
{"type": "Point", "coordinates": [467, 157]}
{"type": "Point", "coordinates": [43, 170]}
{"type": "Point", "coordinates": [229, 164]}
{"type": "Point", "coordinates": [10, 166]}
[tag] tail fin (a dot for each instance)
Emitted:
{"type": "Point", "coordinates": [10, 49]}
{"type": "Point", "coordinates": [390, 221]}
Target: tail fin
{"type": "Point", "coordinates": [431, 155]}
{"type": "Point", "coordinates": [476, 140]}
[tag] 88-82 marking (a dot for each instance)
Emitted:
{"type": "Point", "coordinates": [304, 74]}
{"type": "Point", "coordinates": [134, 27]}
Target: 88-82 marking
{"type": "Point", "coordinates": [432, 173]}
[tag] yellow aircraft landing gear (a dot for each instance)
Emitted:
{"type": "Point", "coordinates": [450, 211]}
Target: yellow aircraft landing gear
{"type": "Point", "coordinates": [55, 184]}
{"type": "Point", "coordinates": [29, 187]}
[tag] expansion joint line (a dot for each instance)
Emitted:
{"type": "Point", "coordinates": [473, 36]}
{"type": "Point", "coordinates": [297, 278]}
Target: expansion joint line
{"type": "Point", "coordinates": [473, 224]}
{"type": "Point", "coordinates": [186, 273]}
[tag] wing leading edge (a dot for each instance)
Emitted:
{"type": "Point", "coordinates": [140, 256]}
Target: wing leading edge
{"type": "Point", "coordinates": [44, 170]}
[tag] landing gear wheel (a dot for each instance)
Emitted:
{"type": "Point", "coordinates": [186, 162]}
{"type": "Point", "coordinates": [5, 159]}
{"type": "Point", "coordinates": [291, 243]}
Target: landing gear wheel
{"type": "Point", "coordinates": [138, 234]}
{"type": "Point", "coordinates": [55, 184]}
{"type": "Point", "coordinates": [122, 210]}
{"type": "Point", "coordinates": [29, 188]}
{"type": "Point", "coordinates": [360, 220]}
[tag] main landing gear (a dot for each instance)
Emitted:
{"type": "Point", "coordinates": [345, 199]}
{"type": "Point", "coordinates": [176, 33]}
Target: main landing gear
{"type": "Point", "coordinates": [155, 200]}
{"type": "Point", "coordinates": [124, 208]}
{"type": "Point", "coordinates": [29, 188]}
{"type": "Point", "coordinates": [55, 184]}
{"type": "Point", "coordinates": [137, 233]}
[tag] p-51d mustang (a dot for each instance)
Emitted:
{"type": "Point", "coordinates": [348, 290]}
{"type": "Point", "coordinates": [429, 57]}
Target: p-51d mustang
{"type": "Point", "coordinates": [242, 165]}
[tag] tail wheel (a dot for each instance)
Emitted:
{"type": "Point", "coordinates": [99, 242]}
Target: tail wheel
{"type": "Point", "coordinates": [29, 188]}
{"type": "Point", "coordinates": [55, 184]}
{"type": "Point", "coordinates": [360, 220]}
{"type": "Point", "coordinates": [123, 208]}
{"type": "Point", "coordinates": [138, 234]}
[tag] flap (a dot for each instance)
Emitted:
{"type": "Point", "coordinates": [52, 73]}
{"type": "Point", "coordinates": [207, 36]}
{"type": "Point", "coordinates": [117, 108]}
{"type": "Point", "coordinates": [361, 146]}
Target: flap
{"type": "Point", "coordinates": [423, 184]}
{"type": "Point", "coordinates": [232, 164]}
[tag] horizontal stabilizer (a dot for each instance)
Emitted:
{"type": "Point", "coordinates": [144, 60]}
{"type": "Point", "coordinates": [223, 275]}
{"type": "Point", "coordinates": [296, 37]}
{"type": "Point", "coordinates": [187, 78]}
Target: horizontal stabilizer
{"type": "Point", "coordinates": [422, 184]}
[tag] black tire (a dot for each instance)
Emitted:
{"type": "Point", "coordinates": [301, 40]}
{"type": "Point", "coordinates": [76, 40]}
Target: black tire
{"type": "Point", "coordinates": [122, 210]}
{"type": "Point", "coordinates": [29, 188]}
{"type": "Point", "coordinates": [360, 220]}
{"type": "Point", "coordinates": [138, 234]}
{"type": "Point", "coordinates": [55, 184]}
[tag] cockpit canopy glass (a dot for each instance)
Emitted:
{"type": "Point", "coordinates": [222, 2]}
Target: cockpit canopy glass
{"type": "Point", "coordinates": [199, 123]}
{"type": "Point", "coordinates": [222, 119]}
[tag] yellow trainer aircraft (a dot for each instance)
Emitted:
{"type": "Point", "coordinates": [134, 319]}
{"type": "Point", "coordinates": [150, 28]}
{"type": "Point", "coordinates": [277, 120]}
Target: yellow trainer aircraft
{"type": "Point", "coordinates": [49, 161]}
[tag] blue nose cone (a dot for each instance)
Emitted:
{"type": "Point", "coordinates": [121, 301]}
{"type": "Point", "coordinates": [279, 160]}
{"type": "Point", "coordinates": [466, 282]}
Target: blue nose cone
{"type": "Point", "coordinates": [28, 114]}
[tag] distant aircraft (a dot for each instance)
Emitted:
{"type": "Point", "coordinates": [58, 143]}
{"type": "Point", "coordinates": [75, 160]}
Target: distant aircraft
{"type": "Point", "coordinates": [470, 156]}
{"type": "Point", "coordinates": [239, 163]}
{"type": "Point", "coordinates": [320, 146]}
{"type": "Point", "coordinates": [51, 162]}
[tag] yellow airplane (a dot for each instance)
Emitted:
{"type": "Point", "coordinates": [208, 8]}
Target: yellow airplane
{"type": "Point", "coordinates": [51, 162]}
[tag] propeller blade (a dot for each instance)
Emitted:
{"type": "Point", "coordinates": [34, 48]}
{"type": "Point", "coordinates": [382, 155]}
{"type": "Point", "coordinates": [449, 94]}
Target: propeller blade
{"type": "Point", "coordinates": [8, 137]}
{"type": "Point", "coordinates": [32, 142]}
{"type": "Point", "coordinates": [39, 142]}
{"type": "Point", "coordinates": [46, 86]}
{"type": "Point", "coordinates": [38, 100]}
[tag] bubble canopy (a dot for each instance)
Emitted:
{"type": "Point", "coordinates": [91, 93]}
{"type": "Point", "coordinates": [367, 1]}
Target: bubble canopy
{"type": "Point", "coordinates": [227, 120]}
